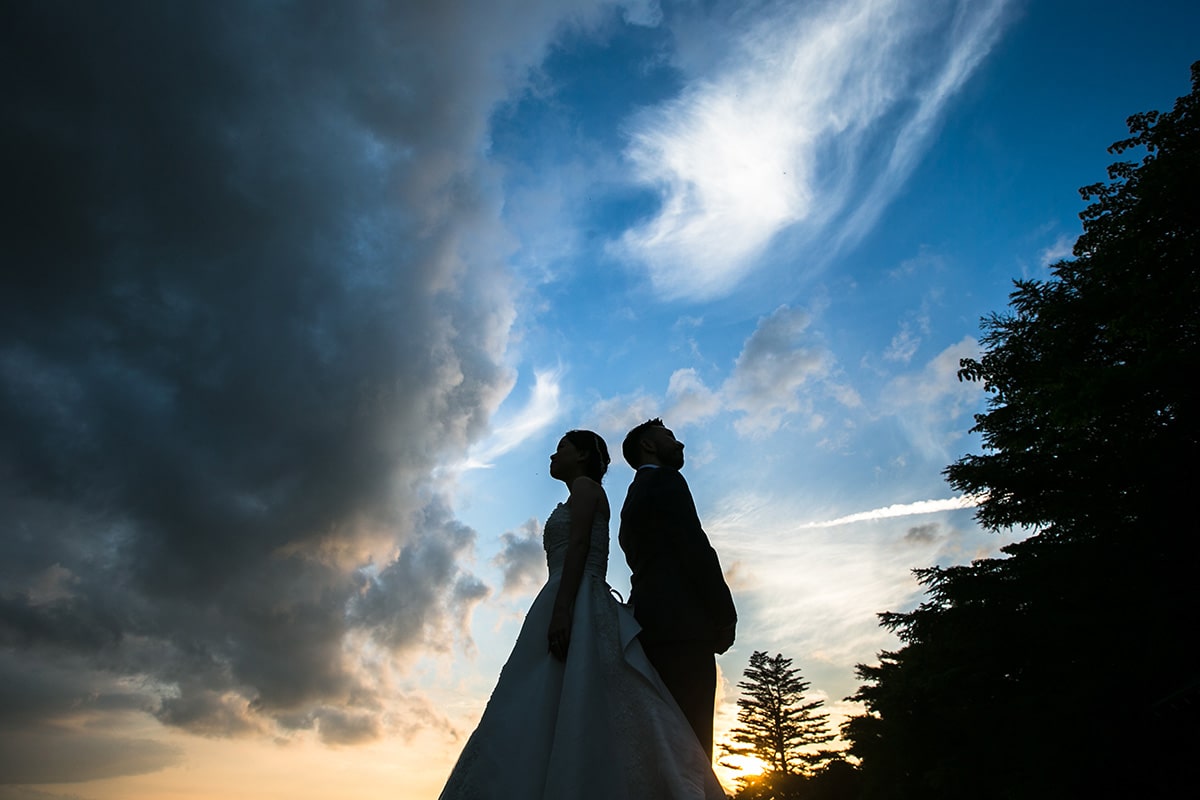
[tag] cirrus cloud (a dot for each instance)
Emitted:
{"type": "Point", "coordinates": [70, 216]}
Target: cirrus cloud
{"type": "Point", "coordinates": [812, 120]}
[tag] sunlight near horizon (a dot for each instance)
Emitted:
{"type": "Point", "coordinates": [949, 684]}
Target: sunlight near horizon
{"type": "Point", "coordinates": [743, 765]}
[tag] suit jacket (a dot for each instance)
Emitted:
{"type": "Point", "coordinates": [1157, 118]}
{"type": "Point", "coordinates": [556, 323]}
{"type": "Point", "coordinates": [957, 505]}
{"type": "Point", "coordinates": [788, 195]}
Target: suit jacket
{"type": "Point", "coordinates": [678, 591]}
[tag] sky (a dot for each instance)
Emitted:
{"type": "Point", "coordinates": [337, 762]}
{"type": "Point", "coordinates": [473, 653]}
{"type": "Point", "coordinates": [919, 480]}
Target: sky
{"type": "Point", "coordinates": [297, 298]}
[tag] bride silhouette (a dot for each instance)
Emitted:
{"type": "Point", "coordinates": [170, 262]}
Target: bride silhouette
{"type": "Point", "coordinates": [578, 712]}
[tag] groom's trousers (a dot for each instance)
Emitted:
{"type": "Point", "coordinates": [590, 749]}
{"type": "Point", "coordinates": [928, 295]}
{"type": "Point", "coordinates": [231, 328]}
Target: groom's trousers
{"type": "Point", "coordinates": [689, 671]}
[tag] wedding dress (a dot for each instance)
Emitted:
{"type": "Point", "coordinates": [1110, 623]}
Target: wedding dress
{"type": "Point", "coordinates": [601, 726]}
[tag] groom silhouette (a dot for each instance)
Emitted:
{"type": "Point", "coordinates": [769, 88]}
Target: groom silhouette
{"type": "Point", "coordinates": [678, 592]}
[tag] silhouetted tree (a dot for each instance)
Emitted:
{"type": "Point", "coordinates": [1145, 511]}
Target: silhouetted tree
{"type": "Point", "coordinates": [772, 786]}
{"type": "Point", "coordinates": [777, 724]}
{"type": "Point", "coordinates": [1061, 669]}
{"type": "Point", "coordinates": [837, 780]}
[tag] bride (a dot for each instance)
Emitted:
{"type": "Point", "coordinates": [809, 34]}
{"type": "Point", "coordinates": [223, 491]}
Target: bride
{"type": "Point", "coordinates": [578, 712]}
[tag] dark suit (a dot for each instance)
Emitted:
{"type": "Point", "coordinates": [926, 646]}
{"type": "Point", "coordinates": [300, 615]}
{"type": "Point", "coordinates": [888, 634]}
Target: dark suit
{"type": "Point", "coordinates": [678, 591]}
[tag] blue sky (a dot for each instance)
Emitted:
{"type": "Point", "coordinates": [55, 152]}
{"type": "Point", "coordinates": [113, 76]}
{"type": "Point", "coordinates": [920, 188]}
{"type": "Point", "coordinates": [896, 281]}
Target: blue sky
{"type": "Point", "coordinates": [327, 287]}
{"type": "Point", "coordinates": [780, 229]}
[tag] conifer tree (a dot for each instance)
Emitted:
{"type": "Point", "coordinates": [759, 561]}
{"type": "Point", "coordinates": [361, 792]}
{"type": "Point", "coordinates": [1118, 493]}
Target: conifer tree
{"type": "Point", "coordinates": [777, 724]}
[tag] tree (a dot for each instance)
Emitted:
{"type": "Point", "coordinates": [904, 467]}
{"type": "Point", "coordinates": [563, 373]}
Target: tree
{"type": "Point", "coordinates": [1065, 667]}
{"type": "Point", "coordinates": [776, 723]}
{"type": "Point", "coordinates": [837, 780]}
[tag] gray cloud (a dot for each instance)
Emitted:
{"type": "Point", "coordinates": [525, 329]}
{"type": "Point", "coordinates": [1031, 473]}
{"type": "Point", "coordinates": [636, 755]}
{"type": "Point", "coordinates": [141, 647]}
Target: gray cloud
{"type": "Point", "coordinates": [775, 363]}
{"type": "Point", "coordinates": [923, 534]}
{"type": "Point", "coordinates": [415, 600]}
{"type": "Point", "coordinates": [522, 559]}
{"type": "Point", "coordinates": [781, 367]}
{"type": "Point", "coordinates": [63, 756]}
{"type": "Point", "coordinates": [337, 727]}
{"type": "Point", "coordinates": [252, 295]}
{"type": "Point", "coordinates": [29, 793]}
{"type": "Point", "coordinates": [206, 712]}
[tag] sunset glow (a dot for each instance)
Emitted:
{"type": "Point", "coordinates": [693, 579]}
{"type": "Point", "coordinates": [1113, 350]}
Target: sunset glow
{"type": "Point", "coordinates": [298, 299]}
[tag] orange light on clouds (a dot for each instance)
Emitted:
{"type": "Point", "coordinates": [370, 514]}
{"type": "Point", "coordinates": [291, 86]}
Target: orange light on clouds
{"type": "Point", "coordinates": [302, 769]}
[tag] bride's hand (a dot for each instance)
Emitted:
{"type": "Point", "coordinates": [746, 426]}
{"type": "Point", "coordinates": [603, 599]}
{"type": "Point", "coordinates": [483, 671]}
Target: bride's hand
{"type": "Point", "coordinates": [560, 633]}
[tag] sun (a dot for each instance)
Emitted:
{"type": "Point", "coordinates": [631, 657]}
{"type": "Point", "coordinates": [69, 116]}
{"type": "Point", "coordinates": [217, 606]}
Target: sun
{"type": "Point", "coordinates": [744, 765]}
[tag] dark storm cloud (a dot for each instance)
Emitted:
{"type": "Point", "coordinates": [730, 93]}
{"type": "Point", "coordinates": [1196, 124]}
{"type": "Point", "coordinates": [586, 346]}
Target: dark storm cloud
{"type": "Point", "coordinates": [28, 793]}
{"type": "Point", "coordinates": [243, 313]}
{"type": "Point", "coordinates": [56, 756]}
{"type": "Point", "coordinates": [48, 710]}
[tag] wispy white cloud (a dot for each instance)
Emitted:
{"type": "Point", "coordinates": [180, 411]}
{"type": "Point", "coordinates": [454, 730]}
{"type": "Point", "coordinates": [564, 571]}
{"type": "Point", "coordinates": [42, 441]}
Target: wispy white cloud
{"type": "Point", "coordinates": [541, 411]}
{"type": "Point", "coordinates": [768, 383]}
{"type": "Point", "coordinates": [687, 401]}
{"type": "Point", "coordinates": [785, 131]}
{"type": "Point", "coordinates": [929, 403]}
{"type": "Point", "coordinates": [903, 345]}
{"type": "Point", "coordinates": [619, 414]}
{"type": "Point", "coordinates": [647, 13]}
{"type": "Point", "coordinates": [690, 400]}
{"type": "Point", "coordinates": [785, 376]}
{"type": "Point", "coordinates": [1063, 247]}
{"type": "Point", "coordinates": [925, 260]}
{"type": "Point", "coordinates": [908, 338]}
{"type": "Point", "coordinates": [973, 31]}
{"type": "Point", "coordinates": [901, 510]}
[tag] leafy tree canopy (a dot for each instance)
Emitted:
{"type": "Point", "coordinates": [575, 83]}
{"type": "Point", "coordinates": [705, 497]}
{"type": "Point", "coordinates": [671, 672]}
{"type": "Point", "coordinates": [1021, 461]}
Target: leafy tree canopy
{"type": "Point", "coordinates": [1064, 668]}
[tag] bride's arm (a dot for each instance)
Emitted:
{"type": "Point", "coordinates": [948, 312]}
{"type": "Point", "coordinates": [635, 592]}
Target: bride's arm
{"type": "Point", "coordinates": [585, 501]}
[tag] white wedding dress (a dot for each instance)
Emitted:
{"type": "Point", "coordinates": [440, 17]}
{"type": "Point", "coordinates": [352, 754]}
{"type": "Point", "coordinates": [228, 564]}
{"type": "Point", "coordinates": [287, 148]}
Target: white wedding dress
{"type": "Point", "coordinates": [601, 726]}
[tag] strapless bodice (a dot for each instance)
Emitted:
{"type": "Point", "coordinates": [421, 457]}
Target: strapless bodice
{"type": "Point", "coordinates": [558, 531]}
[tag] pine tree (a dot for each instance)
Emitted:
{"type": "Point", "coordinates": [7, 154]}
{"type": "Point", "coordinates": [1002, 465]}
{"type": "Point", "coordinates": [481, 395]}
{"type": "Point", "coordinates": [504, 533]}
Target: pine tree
{"type": "Point", "coordinates": [776, 723]}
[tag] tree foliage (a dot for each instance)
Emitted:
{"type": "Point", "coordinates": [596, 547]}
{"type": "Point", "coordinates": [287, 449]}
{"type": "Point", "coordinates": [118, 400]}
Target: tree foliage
{"type": "Point", "coordinates": [776, 722]}
{"type": "Point", "coordinates": [1065, 667]}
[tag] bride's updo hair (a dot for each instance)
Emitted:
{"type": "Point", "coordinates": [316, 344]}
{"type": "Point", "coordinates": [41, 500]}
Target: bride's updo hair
{"type": "Point", "coordinates": [597, 452]}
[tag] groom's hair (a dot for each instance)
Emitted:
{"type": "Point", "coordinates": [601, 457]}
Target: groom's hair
{"type": "Point", "coordinates": [597, 452]}
{"type": "Point", "coordinates": [631, 448]}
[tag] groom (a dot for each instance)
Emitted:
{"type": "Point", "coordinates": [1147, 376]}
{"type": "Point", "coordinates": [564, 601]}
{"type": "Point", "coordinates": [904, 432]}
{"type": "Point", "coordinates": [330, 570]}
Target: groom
{"type": "Point", "coordinates": [678, 592]}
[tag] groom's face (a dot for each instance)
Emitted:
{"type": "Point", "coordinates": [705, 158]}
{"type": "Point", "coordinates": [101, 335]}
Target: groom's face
{"type": "Point", "coordinates": [667, 448]}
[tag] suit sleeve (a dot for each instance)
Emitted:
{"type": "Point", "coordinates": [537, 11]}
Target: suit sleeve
{"type": "Point", "coordinates": [697, 558]}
